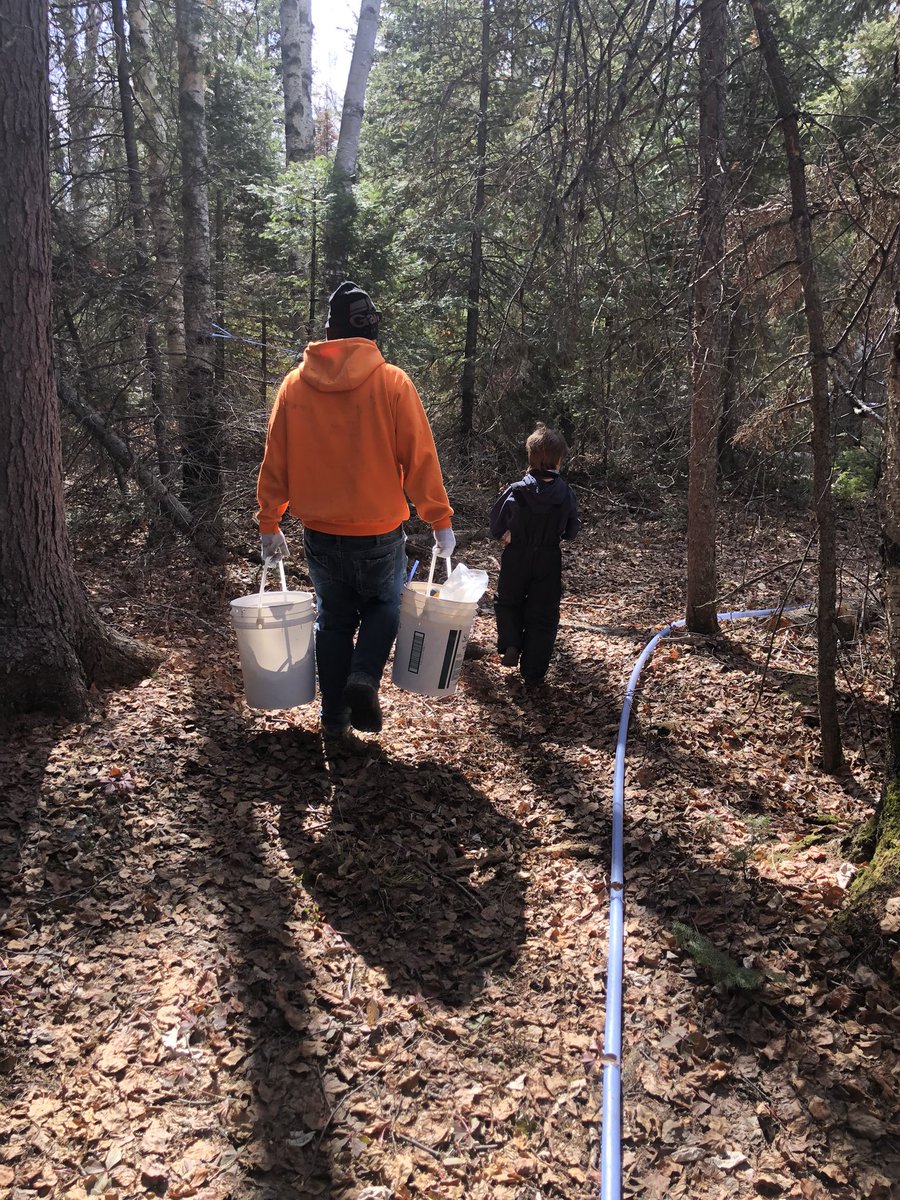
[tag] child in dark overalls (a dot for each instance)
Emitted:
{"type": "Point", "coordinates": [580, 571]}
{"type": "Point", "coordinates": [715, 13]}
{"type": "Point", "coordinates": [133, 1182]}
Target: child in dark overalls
{"type": "Point", "coordinates": [530, 518]}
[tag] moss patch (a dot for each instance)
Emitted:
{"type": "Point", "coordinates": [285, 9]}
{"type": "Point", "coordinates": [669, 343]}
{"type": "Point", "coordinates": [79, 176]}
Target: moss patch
{"type": "Point", "coordinates": [881, 878]}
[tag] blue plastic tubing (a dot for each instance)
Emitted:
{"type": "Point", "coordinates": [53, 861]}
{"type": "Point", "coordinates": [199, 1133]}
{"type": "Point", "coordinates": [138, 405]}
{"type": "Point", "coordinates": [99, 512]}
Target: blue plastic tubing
{"type": "Point", "coordinates": [611, 1127]}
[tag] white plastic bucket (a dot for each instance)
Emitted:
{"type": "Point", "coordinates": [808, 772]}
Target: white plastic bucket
{"type": "Point", "coordinates": [431, 640]}
{"type": "Point", "coordinates": [275, 640]}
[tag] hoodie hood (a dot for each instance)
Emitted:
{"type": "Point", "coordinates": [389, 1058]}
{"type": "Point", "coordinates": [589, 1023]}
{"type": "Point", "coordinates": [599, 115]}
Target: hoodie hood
{"type": "Point", "coordinates": [340, 365]}
{"type": "Point", "coordinates": [541, 495]}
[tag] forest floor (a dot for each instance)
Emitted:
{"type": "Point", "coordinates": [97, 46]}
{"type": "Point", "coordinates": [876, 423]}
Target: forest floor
{"type": "Point", "coordinates": [235, 968]}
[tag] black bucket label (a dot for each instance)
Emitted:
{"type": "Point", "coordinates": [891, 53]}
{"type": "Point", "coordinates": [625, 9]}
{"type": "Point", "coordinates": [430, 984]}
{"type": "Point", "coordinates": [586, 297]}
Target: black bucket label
{"type": "Point", "coordinates": [415, 652]}
{"type": "Point", "coordinates": [449, 658]}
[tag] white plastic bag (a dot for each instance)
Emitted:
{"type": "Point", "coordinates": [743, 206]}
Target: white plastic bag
{"type": "Point", "coordinates": [464, 586]}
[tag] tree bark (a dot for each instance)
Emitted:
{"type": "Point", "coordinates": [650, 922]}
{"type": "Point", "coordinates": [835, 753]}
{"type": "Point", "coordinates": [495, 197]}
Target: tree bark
{"type": "Point", "coordinates": [820, 399]}
{"type": "Point", "coordinates": [52, 644]}
{"type": "Point", "coordinates": [296, 77]}
{"type": "Point", "coordinates": [473, 295]}
{"type": "Point", "coordinates": [707, 350]}
{"type": "Point", "coordinates": [202, 473]}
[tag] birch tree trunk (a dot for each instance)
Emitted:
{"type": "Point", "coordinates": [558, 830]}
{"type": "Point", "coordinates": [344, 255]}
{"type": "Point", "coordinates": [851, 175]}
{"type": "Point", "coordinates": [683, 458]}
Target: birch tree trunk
{"type": "Point", "coordinates": [341, 209]}
{"type": "Point", "coordinates": [52, 644]}
{"type": "Point", "coordinates": [473, 295]}
{"type": "Point", "coordinates": [820, 399]}
{"type": "Point", "coordinates": [152, 134]}
{"type": "Point", "coordinates": [707, 348]}
{"type": "Point", "coordinates": [202, 424]}
{"type": "Point", "coordinates": [296, 77]}
{"type": "Point", "coordinates": [347, 152]}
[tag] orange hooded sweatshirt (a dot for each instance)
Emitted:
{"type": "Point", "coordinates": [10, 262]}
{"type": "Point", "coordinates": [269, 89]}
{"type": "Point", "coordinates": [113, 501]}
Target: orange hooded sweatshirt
{"type": "Point", "coordinates": [348, 436]}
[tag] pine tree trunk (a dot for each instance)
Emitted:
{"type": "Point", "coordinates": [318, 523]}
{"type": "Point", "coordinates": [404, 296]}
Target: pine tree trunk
{"type": "Point", "coordinates": [202, 471]}
{"type": "Point", "coordinates": [152, 133]}
{"type": "Point", "coordinates": [263, 360]}
{"type": "Point", "coordinates": [473, 295]}
{"type": "Point", "coordinates": [296, 77]}
{"type": "Point", "coordinates": [708, 326]}
{"type": "Point", "coordinates": [820, 400]}
{"type": "Point", "coordinates": [52, 645]}
{"type": "Point", "coordinates": [145, 299]}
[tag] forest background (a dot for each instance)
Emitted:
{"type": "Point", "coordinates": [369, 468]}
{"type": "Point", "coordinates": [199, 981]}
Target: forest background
{"type": "Point", "coordinates": [669, 229]}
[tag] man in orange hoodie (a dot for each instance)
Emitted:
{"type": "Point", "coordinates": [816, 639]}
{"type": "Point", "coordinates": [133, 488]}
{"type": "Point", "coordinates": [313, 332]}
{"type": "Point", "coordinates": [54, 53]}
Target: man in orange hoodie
{"type": "Point", "coordinates": [348, 440]}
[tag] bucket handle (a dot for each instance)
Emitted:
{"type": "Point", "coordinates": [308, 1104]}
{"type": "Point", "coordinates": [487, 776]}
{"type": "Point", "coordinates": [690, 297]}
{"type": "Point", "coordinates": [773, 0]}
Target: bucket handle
{"type": "Point", "coordinates": [434, 555]}
{"type": "Point", "coordinates": [268, 562]}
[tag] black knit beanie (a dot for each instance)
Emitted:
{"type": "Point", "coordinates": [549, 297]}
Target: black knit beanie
{"type": "Point", "coordinates": [351, 313]}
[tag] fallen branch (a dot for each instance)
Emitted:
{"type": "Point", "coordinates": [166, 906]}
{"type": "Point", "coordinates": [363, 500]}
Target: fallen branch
{"type": "Point", "coordinates": [151, 485]}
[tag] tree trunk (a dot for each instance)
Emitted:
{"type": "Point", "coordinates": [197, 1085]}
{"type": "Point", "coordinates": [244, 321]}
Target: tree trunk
{"type": "Point", "coordinates": [151, 130]}
{"type": "Point", "coordinates": [202, 472]}
{"type": "Point", "coordinates": [52, 645]}
{"type": "Point", "coordinates": [263, 360]}
{"type": "Point", "coordinates": [145, 300]}
{"type": "Point", "coordinates": [296, 76]}
{"type": "Point", "coordinates": [313, 268]}
{"type": "Point", "coordinates": [880, 839]}
{"type": "Point", "coordinates": [219, 248]}
{"type": "Point", "coordinates": [708, 326]}
{"type": "Point", "coordinates": [473, 296]}
{"type": "Point", "coordinates": [820, 401]}
{"type": "Point", "coordinates": [80, 87]}
{"type": "Point", "coordinates": [347, 152]}
{"type": "Point", "coordinates": [341, 210]}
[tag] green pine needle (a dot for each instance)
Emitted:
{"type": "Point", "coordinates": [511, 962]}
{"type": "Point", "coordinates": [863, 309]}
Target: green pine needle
{"type": "Point", "coordinates": [725, 971]}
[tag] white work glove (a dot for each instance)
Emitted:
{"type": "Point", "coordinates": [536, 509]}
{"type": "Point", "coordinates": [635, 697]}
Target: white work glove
{"type": "Point", "coordinates": [274, 546]}
{"type": "Point", "coordinates": [445, 540]}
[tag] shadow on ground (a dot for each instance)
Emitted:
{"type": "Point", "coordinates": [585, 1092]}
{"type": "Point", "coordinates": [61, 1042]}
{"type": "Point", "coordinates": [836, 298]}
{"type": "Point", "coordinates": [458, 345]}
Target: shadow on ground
{"type": "Point", "coordinates": [417, 871]}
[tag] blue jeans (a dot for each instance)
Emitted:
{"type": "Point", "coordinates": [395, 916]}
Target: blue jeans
{"type": "Point", "coordinates": [358, 582]}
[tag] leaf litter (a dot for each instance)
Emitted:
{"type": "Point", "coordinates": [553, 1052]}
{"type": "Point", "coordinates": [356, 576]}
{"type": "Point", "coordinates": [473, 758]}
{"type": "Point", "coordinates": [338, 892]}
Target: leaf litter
{"type": "Point", "coordinates": [233, 967]}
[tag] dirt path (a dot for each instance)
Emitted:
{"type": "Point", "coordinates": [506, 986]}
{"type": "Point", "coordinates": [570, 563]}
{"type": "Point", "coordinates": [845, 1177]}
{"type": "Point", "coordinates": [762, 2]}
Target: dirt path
{"type": "Point", "coordinates": [235, 968]}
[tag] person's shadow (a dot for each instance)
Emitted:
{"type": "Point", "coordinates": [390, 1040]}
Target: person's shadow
{"type": "Point", "coordinates": [418, 871]}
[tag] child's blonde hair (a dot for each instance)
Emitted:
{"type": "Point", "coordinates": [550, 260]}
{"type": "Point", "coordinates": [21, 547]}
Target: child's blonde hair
{"type": "Point", "coordinates": [545, 448]}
